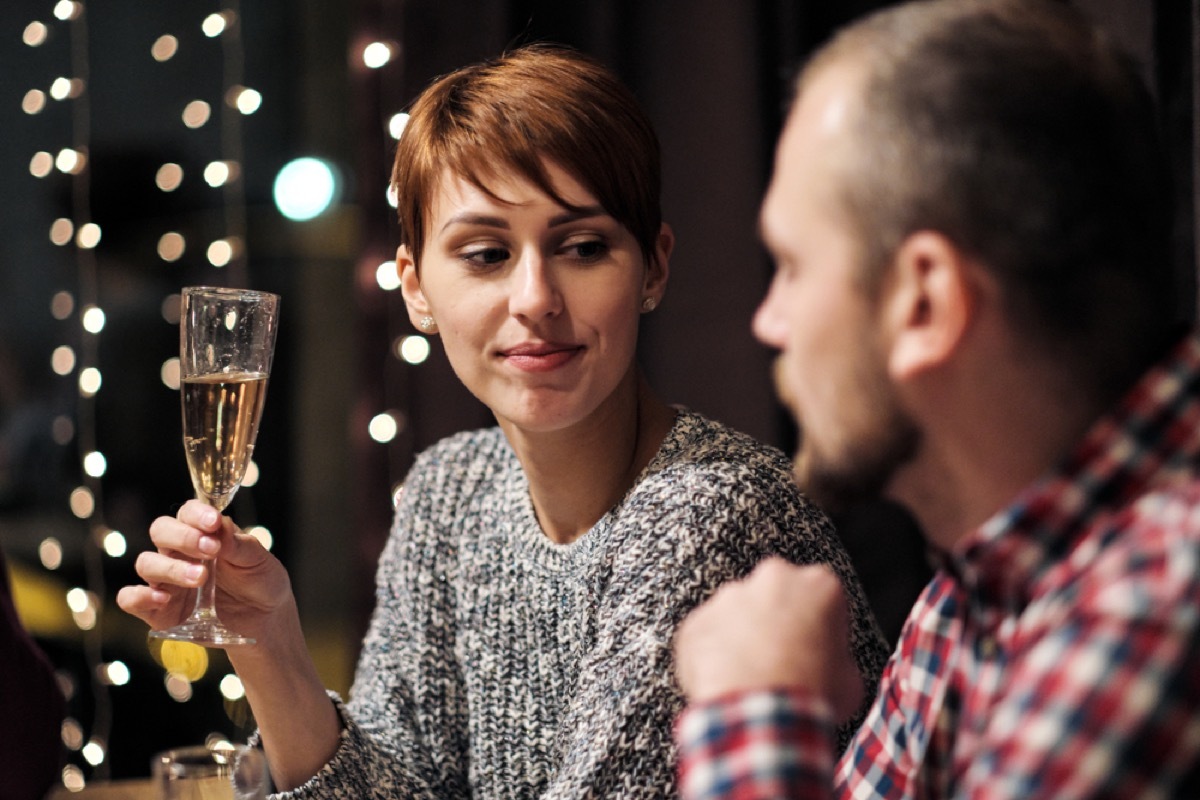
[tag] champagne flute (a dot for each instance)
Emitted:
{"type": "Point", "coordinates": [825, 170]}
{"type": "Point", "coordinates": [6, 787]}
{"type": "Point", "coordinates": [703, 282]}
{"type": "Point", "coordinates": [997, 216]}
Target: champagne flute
{"type": "Point", "coordinates": [226, 342]}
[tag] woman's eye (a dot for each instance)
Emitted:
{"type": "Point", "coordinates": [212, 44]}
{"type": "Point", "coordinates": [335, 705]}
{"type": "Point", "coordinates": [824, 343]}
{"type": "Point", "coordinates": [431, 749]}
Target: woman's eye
{"type": "Point", "coordinates": [485, 257]}
{"type": "Point", "coordinates": [589, 250]}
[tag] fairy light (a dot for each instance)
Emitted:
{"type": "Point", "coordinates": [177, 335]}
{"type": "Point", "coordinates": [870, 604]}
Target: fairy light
{"type": "Point", "coordinates": [88, 236]}
{"type": "Point", "coordinates": [62, 430]}
{"type": "Point", "coordinates": [387, 277]}
{"type": "Point", "coordinates": [169, 373]}
{"type": "Point", "coordinates": [413, 349]}
{"type": "Point", "coordinates": [41, 164]}
{"type": "Point", "coordinates": [171, 246]}
{"type": "Point", "coordinates": [384, 427]}
{"type": "Point", "coordinates": [396, 125]}
{"type": "Point", "coordinates": [67, 10]}
{"type": "Point", "coordinates": [264, 536]}
{"type": "Point", "coordinates": [62, 230]}
{"type": "Point", "coordinates": [377, 54]}
{"type": "Point", "coordinates": [196, 113]}
{"type": "Point", "coordinates": [164, 48]}
{"type": "Point", "coordinates": [90, 381]}
{"type": "Point", "coordinates": [168, 177]}
{"type": "Point", "coordinates": [35, 34]}
{"type": "Point", "coordinates": [114, 544]}
{"type": "Point", "coordinates": [93, 752]}
{"type": "Point", "coordinates": [34, 101]}
{"type": "Point", "coordinates": [232, 688]}
{"type": "Point", "coordinates": [60, 89]}
{"type": "Point", "coordinates": [77, 360]}
{"type": "Point", "coordinates": [72, 734]}
{"type": "Point", "coordinates": [50, 553]}
{"type": "Point", "coordinates": [244, 99]}
{"type": "Point", "coordinates": [62, 360]}
{"type": "Point", "coordinates": [70, 161]}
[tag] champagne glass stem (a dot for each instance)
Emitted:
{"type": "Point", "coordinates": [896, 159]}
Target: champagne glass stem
{"type": "Point", "coordinates": [206, 593]}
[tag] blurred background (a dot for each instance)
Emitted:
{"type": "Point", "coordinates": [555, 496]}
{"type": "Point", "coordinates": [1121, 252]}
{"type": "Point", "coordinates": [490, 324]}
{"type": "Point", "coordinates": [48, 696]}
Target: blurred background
{"type": "Point", "coordinates": [149, 146]}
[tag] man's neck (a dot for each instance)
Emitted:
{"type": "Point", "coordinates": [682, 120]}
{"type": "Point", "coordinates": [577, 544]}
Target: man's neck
{"type": "Point", "coordinates": [989, 432]}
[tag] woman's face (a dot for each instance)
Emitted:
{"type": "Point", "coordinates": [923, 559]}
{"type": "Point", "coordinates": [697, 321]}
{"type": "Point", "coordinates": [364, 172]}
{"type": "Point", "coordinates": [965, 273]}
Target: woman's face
{"type": "Point", "coordinates": [537, 305]}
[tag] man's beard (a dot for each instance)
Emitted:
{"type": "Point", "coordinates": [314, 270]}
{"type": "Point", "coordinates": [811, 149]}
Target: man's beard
{"type": "Point", "coordinates": [877, 450]}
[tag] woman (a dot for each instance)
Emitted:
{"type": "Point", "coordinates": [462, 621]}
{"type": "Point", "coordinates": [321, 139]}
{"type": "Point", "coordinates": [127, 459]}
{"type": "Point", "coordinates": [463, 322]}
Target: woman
{"type": "Point", "coordinates": [526, 598]}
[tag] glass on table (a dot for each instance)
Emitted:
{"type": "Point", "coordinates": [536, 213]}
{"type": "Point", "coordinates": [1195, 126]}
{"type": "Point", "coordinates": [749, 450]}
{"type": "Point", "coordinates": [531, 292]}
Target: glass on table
{"type": "Point", "coordinates": [221, 772]}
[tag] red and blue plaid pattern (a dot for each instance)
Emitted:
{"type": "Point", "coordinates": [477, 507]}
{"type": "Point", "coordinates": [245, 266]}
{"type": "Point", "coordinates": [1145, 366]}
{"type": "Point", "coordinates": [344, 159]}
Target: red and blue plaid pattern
{"type": "Point", "coordinates": [1055, 654]}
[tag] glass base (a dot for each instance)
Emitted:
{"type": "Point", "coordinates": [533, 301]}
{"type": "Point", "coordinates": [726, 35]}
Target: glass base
{"type": "Point", "coordinates": [207, 632]}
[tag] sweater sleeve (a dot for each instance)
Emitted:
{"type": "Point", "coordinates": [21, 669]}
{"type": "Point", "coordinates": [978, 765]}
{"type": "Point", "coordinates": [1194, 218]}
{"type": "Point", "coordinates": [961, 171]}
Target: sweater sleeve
{"type": "Point", "coordinates": [404, 726]}
{"type": "Point", "coordinates": [689, 530]}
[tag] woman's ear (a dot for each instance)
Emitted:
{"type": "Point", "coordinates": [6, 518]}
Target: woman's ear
{"type": "Point", "coordinates": [410, 287]}
{"type": "Point", "coordinates": [659, 267]}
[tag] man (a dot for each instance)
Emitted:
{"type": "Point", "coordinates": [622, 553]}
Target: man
{"type": "Point", "coordinates": [973, 306]}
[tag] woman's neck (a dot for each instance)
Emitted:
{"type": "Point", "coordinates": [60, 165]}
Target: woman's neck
{"type": "Point", "coordinates": [576, 475]}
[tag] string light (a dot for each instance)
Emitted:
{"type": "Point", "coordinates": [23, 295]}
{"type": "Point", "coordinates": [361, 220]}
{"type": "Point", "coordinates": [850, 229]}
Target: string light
{"type": "Point", "coordinates": [79, 358]}
{"type": "Point", "coordinates": [184, 663]}
{"type": "Point", "coordinates": [35, 34]}
{"type": "Point", "coordinates": [387, 277]}
{"type": "Point", "coordinates": [377, 54]}
{"type": "Point", "coordinates": [164, 48]}
{"type": "Point", "coordinates": [412, 349]}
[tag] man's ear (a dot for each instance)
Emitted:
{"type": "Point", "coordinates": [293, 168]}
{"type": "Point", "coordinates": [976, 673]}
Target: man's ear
{"type": "Point", "coordinates": [929, 302]}
{"type": "Point", "coordinates": [410, 287]}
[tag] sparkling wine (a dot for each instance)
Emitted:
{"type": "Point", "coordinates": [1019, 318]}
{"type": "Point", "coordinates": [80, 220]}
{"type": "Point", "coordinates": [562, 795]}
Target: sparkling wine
{"type": "Point", "coordinates": [220, 422]}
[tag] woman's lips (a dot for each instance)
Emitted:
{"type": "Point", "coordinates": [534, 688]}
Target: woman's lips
{"type": "Point", "coordinates": [540, 357]}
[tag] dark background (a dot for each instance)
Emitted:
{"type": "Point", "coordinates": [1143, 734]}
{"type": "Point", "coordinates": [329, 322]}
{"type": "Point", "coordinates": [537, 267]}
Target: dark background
{"type": "Point", "coordinates": [713, 75]}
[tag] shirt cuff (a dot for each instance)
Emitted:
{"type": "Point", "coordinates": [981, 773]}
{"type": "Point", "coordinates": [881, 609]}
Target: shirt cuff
{"type": "Point", "coordinates": [759, 744]}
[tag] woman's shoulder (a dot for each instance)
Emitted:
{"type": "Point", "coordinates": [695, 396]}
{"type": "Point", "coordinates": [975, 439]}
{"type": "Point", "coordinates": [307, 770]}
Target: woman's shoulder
{"type": "Point", "coordinates": [710, 477]}
{"type": "Point", "coordinates": [702, 447]}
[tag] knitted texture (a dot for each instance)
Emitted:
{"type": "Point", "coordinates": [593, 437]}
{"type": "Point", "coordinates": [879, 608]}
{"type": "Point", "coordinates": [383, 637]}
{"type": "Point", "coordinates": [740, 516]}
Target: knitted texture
{"type": "Point", "coordinates": [499, 664]}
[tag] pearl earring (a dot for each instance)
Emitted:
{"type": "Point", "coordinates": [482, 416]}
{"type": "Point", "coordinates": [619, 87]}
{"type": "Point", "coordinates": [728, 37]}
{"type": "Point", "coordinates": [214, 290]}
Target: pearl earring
{"type": "Point", "coordinates": [648, 305]}
{"type": "Point", "coordinates": [427, 324]}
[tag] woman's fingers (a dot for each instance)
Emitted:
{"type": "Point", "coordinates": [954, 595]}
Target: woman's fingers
{"type": "Point", "coordinates": [162, 569]}
{"type": "Point", "coordinates": [171, 535]}
{"type": "Point", "coordinates": [155, 606]}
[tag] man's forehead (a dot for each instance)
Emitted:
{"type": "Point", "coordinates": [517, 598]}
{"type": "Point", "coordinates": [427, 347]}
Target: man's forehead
{"type": "Point", "coordinates": [828, 99]}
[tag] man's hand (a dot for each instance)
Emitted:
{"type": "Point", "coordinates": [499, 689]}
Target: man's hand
{"type": "Point", "coordinates": [783, 626]}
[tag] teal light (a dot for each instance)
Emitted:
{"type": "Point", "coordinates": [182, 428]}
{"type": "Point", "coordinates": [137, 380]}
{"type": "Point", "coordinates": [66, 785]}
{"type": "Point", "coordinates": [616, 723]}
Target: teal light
{"type": "Point", "coordinates": [305, 188]}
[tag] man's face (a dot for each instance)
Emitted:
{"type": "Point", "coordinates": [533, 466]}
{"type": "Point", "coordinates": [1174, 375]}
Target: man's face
{"type": "Point", "coordinates": [832, 370]}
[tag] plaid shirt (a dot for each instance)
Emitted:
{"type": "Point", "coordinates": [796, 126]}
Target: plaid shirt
{"type": "Point", "coordinates": [1055, 654]}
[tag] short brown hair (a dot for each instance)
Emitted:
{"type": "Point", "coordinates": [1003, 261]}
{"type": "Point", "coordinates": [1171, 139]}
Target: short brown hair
{"type": "Point", "coordinates": [537, 102]}
{"type": "Point", "coordinates": [1020, 132]}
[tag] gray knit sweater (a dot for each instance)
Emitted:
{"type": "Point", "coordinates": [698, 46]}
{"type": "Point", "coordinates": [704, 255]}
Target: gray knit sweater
{"type": "Point", "coordinates": [501, 665]}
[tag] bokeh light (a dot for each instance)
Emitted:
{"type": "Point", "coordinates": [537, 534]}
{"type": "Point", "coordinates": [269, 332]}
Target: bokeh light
{"type": "Point", "coordinates": [305, 188]}
{"type": "Point", "coordinates": [412, 349]}
{"type": "Point", "coordinates": [164, 48]}
{"type": "Point", "coordinates": [387, 276]}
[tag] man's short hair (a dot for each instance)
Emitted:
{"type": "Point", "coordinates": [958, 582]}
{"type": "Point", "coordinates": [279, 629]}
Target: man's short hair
{"type": "Point", "coordinates": [1021, 133]}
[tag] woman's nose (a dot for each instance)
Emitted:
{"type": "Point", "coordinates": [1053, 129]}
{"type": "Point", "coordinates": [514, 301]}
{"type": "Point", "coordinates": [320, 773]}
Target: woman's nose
{"type": "Point", "coordinates": [534, 294]}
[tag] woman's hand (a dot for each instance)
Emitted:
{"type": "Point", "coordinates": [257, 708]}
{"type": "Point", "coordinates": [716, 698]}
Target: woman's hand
{"type": "Point", "coordinates": [252, 586]}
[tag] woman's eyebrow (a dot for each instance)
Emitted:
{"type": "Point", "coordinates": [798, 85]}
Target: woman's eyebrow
{"type": "Point", "coordinates": [583, 212]}
{"type": "Point", "coordinates": [471, 218]}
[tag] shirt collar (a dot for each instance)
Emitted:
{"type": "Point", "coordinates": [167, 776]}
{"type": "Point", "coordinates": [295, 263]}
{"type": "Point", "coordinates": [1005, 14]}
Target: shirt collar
{"type": "Point", "coordinates": [1146, 439]}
